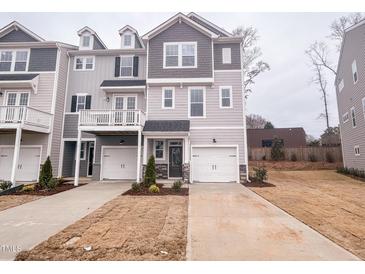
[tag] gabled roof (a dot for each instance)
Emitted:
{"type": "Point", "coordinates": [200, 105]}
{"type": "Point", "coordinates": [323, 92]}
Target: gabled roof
{"type": "Point", "coordinates": [210, 24]}
{"type": "Point", "coordinates": [16, 25]}
{"type": "Point", "coordinates": [88, 29]}
{"type": "Point", "coordinates": [133, 30]}
{"type": "Point", "coordinates": [177, 18]}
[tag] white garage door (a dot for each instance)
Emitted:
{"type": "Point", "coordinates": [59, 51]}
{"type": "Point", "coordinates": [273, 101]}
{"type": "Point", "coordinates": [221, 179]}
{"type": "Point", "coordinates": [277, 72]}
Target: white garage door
{"type": "Point", "coordinates": [28, 164]}
{"type": "Point", "coordinates": [214, 164]}
{"type": "Point", "coordinates": [119, 163]}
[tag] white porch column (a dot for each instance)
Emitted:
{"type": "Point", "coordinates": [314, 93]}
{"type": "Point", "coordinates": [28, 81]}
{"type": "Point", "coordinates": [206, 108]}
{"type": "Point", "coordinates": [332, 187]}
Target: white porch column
{"type": "Point", "coordinates": [186, 150]}
{"type": "Point", "coordinates": [77, 164]}
{"type": "Point", "coordinates": [139, 156]}
{"type": "Point", "coordinates": [145, 143]}
{"type": "Point", "coordinates": [14, 167]}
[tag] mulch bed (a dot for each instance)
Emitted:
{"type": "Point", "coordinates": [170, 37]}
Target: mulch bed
{"type": "Point", "coordinates": [47, 192]}
{"type": "Point", "coordinates": [184, 191]}
{"type": "Point", "coordinates": [255, 183]}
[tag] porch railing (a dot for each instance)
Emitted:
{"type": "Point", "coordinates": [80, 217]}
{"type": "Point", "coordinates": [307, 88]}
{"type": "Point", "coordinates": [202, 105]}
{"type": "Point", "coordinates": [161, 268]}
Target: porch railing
{"type": "Point", "coordinates": [111, 118]}
{"type": "Point", "coordinates": [25, 115]}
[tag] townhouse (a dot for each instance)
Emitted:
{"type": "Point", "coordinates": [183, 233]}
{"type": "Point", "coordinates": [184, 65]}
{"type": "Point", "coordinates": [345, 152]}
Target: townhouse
{"type": "Point", "coordinates": [33, 76]}
{"type": "Point", "coordinates": [175, 93]}
{"type": "Point", "coordinates": [350, 91]}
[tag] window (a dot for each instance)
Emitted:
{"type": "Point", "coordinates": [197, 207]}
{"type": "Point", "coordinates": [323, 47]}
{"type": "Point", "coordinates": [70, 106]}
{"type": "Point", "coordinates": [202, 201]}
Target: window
{"type": "Point", "coordinates": [357, 150]}
{"type": "Point", "coordinates": [83, 151]}
{"type": "Point", "coordinates": [341, 85]}
{"type": "Point", "coordinates": [127, 40]}
{"type": "Point", "coordinates": [126, 66]}
{"type": "Point", "coordinates": [354, 72]}
{"type": "Point", "coordinates": [353, 117]}
{"type": "Point", "coordinates": [84, 62]}
{"type": "Point", "coordinates": [345, 117]}
{"type": "Point", "coordinates": [17, 99]}
{"type": "Point", "coordinates": [86, 41]}
{"type": "Point", "coordinates": [16, 60]}
{"type": "Point", "coordinates": [225, 95]}
{"type": "Point", "coordinates": [159, 149]}
{"type": "Point", "coordinates": [197, 102]}
{"type": "Point", "coordinates": [168, 98]}
{"type": "Point", "coordinates": [180, 55]}
{"type": "Point", "coordinates": [226, 56]}
{"type": "Point", "coordinates": [81, 102]}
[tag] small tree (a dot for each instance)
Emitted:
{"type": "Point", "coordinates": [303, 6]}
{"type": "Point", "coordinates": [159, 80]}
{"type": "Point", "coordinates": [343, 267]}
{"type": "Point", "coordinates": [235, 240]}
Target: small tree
{"type": "Point", "coordinates": [46, 173]}
{"type": "Point", "coordinates": [150, 174]}
{"type": "Point", "coordinates": [269, 125]}
{"type": "Point", "coordinates": [277, 152]}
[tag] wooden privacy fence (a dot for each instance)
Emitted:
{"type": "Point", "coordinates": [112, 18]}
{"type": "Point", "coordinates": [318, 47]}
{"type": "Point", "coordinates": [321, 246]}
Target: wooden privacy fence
{"type": "Point", "coordinates": [302, 153]}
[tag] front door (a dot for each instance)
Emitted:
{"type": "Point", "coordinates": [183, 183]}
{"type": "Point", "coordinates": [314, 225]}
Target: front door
{"type": "Point", "coordinates": [175, 161]}
{"type": "Point", "coordinates": [90, 159]}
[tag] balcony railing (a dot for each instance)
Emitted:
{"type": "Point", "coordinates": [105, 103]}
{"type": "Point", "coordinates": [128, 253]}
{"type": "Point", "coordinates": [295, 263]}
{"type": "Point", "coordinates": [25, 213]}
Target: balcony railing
{"type": "Point", "coordinates": [25, 116]}
{"type": "Point", "coordinates": [111, 118]}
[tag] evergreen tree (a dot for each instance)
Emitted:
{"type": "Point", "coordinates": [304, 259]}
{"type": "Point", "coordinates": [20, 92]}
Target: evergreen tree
{"type": "Point", "coordinates": [46, 173]}
{"type": "Point", "coordinates": [277, 151]}
{"type": "Point", "coordinates": [150, 174]}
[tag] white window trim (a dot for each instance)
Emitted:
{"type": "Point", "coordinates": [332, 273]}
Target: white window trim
{"type": "Point", "coordinates": [179, 44]}
{"type": "Point", "coordinates": [125, 99]}
{"type": "Point", "coordinates": [204, 102]}
{"type": "Point", "coordinates": [358, 149]}
{"type": "Point", "coordinates": [163, 97]}
{"type": "Point", "coordinates": [133, 40]}
{"type": "Point", "coordinates": [230, 96]}
{"type": "Point", "coordinates": [353, 117]}
{"type": "Point", "coordinates": [120, 66]}
{"type": "Point", "coordinates": [83, 58]}
{"type": "Point", "coordinates": [84, 156]}
{"type": "Point", "coordinates": [78, 95]}
{"type": "Point", "coordinates": [345, 120]}
{"type": "Point", "coordinates": [228, 59]}
{"type": "Point", "coordinates": [341, 85]}
{"type": "Point", "coordinates": [163, 149]}
{"type": "Point", "coordinates": [81, 47]}
{"type": "Point", "coordinates": [354, 70]}
{"type": "Point", "coordinates": [13, 58]}
{"type": "Point", "coordinates": [5, 102]}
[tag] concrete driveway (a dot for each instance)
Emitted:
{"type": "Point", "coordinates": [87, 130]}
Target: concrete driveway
{"type": "Point", "coordinates": [230, 222]}
{"type": "Point", "coordinates": [27, 225]}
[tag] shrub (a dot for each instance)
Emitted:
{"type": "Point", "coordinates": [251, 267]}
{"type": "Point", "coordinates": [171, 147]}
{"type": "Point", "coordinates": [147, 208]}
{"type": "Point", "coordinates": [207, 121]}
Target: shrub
{"type": "Point", "coordinates": [150, 174]}
{"type": "Point", "coordinates": [260, 174]}
{"type": "Point", "coordinates": [352, 171]}
{"type": "Point", "coordinates": [5, 185]}
{"type": "Point", "coordinates": [28, 188]}
{"type": "Point", "coordinates": [293, 157]}
{"type": "Point", "coordinates": [277, 152]}
{"type": "Point", "coordinates": [51, 184]}
{"type": "Point", "coordinates": [177, 185]}
{"type": "Point", "coordinates": [154, 189]}
{"type": "Point", "coordinates": [264, 158]}
{"type": "Point", "coordinates": [136, 187]}
{"type": "Point", "coordinates": [61, 180]}
{"type": "Point", "coordinates": [46, 173]}
{"type": "Point", "coordinates": [312, 157]}
{"type": "Point", "coordinates": [329, 157]}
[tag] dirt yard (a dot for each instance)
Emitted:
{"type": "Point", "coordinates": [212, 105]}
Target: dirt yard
{"type": "Point", "coordinates": [126, 228]}
{"type": "Point", "coordinates": [8, 201]}
{"type": "Point", "coordinates": [331, 203]}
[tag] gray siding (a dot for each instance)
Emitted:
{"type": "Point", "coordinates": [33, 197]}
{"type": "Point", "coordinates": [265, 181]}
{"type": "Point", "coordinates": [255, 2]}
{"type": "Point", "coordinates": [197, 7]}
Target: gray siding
{"type": "Point", "coordinates": [180, 32]}
{"type": "Point", "coordinates": [17, 36]}
{"type": "Point", "coordinates": [43, 59]}
{"type": "Point", "coordinates": [235, 56]}
{"type": "Point", "coordinates": [71, 127]}
{"type": "Point", "coordinates": [97, 44]}
{"type": "Point", "coordinates": [137, 44]}
{"type": "Point", "coordinates": [215, 116]}
{"type": "Point", "coordinates": [68, 169]}
{"type": "Point", "coordinates": [351, 96]}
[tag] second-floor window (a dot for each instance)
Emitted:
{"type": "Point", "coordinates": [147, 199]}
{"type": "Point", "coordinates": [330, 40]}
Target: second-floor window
{"type": "Point", "coordinates": [225, 95]}
{"type": "Point", "coordinates": [126, 66]}
{"type": "Point", "coordinates": [196, 102]}
{"type": "Point", "coordinates": [353, 117]}
{"type": "Point", "coordinates": [80, 101]}
{"type": "Point", "coordinates": [14, 60]}
{"type": "Point", "coordinates": [354, 72]}
{"type": "Point", "coordinates": [180, 55]}
{"type": "Point", "coordinates": [168, 98]}
{"type": "Point", "coordinates": [84, 62]}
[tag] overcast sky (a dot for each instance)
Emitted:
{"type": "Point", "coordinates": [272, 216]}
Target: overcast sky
{"type": "Point", "coordinates": [283, 95]}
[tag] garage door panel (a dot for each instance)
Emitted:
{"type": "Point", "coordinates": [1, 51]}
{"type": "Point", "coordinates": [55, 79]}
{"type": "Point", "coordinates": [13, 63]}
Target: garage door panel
{"type": "Point", "coordinates": [214, 164]}
{"type": "Point", "coordinates": [119, 163]}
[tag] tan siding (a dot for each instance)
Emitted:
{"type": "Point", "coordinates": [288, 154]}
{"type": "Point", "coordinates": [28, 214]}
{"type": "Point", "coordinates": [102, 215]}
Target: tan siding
{"type": "Point", "coordinates": [351, 96]}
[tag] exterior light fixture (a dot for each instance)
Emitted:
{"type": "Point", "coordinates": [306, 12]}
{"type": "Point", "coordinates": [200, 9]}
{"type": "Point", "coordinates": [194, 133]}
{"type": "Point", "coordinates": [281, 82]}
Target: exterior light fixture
{"type": "Point", "coordinates": [214, 140]}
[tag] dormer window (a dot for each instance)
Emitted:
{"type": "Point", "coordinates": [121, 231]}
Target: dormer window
{"type": "Point", "coordinates": [86, 41]}
{"type": "Point", "coordinates": [128, 40]}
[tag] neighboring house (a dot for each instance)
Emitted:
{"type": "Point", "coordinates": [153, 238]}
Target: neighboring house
{"type": "Point", "coordinates": [32, 89]}
{"type": "Point", "coordinates": [290, 137]}
{"type": "Point", "coordinates": [350, 90]}
{"type": "Point", "coordinates": [175, 93]}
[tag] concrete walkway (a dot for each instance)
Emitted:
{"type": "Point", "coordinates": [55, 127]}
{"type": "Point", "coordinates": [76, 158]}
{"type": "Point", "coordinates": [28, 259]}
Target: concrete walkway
{"type": "Point", "coordinates": [230, 222]}
{"type": "Point", "coordinates": [27, 225]}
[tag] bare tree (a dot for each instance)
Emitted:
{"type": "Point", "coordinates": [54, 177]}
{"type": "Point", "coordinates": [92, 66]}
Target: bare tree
{"type": "Point", "coordinates": [318, 53]}
{"type": "Point", "coordinates": [339, 26]}
{"type": "Point", "coordinates": [255, 121]}
{"type": "Point", "coordinates": [251, 52]}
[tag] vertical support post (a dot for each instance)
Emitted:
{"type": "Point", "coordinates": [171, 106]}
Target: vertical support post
{"type": "Point", "coordinates": [77, 164]}
{"type": "Point", "coordinates": [186, 150]}
{"type": "Point", "coordinates": [145, 143]}
{"type": "Point", "coordinates": [139, 156]}
{"type": "Point", "coordinates": [18, 138]}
